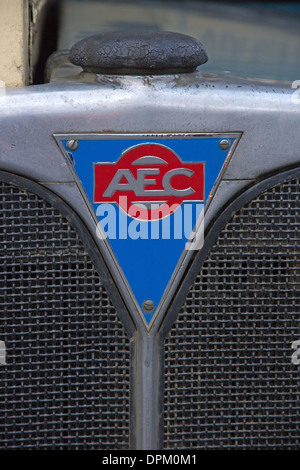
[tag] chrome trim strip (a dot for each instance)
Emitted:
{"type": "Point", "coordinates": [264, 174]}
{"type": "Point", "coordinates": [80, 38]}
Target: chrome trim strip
{"type": "Point", "coordinates": [2, 352]}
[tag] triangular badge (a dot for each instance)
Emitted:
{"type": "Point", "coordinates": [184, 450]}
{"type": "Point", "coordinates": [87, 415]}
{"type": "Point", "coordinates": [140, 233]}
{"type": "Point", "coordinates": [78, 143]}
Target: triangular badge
{"type": "Point", "coordinates": [148, 195]}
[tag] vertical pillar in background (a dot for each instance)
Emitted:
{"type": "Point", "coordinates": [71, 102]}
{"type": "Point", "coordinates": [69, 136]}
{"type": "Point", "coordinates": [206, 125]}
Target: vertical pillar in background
{"type": "Point", "coordinates": [14, 28]}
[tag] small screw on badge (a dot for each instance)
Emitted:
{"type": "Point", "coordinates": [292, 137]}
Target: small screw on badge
{"type": "Point", "coordinates": [72, 145]}
{"type": "Point", "coordinates": [224, 144]}
{"type": "Point", "coordinates": [148, 305]}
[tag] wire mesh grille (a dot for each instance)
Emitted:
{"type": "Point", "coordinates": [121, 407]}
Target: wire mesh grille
{"type": "Point", "coordinates": [65, 384]}
{"type": "Point", "coordinates": [230, 381]}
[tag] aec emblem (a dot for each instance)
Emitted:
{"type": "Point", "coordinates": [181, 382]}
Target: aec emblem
{"type": "Point", "coordinates": [147, 195]}
{"type": "Point", "coordinates": [153, 179]}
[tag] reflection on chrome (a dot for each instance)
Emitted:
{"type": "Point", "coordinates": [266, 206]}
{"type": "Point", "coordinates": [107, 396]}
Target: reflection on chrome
{"type": "Point", "coordinates": [2, 353]}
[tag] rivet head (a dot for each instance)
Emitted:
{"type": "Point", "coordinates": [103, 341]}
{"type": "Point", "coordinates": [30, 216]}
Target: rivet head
{"type": "Point", "coordinates": [224, 144]}
{"type": "Point", "coordinates": [148, 305]}
{"type": "Point", "coordinates": [72, 145]}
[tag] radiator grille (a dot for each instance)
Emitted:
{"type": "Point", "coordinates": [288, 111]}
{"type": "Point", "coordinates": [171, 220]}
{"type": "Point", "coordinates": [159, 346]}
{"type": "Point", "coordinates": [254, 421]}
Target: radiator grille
{"type": "Point", "coordinates": [66, 381]}
{"type": "Point", "coordinates": [229, 379]}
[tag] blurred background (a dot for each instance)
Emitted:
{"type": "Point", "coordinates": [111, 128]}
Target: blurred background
{"type": "Point", "coordinates": [247, 39]}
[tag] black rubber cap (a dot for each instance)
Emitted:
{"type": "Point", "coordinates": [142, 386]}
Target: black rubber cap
{"type": "Point", "coordinates": [138, 53]}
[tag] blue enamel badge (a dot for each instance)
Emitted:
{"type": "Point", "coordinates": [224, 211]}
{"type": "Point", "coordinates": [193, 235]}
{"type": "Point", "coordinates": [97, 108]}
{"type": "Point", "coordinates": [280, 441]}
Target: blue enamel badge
{"type": "Point", "coordinates": [148, 195]}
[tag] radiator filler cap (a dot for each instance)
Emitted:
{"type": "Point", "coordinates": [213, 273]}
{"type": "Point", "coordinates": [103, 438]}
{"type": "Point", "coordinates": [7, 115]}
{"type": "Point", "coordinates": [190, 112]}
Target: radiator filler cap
{"type": "Point", "coordinates": [138, 53]}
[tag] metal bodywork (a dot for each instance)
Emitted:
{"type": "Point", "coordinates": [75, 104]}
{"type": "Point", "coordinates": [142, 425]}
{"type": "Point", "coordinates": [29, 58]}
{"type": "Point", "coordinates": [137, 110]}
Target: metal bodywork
{"type": "Point", "coordinates": [263, 112]}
